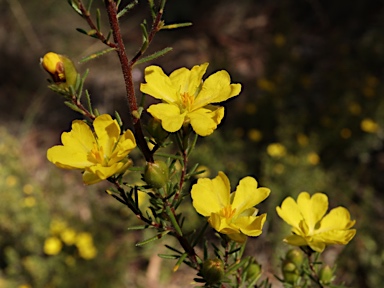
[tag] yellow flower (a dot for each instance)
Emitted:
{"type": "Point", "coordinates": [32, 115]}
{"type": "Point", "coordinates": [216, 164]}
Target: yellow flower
{"type": "Point", "coordinates": [310, 226]}
{"type": "Point", "coordinates": [186, 98]}
{"type": "Point", "coordinates": [276, 150]}
{"type": "Point", "coordinates": [230, 213]}
{"type": "Point", "coordinates": [52, 245]}
{"type": "Point", "coordinates": [369, 126]}
{"type": "Point", "coordinates": [84, 244]}
{"type": "Point", "coordinates": [100, 154]}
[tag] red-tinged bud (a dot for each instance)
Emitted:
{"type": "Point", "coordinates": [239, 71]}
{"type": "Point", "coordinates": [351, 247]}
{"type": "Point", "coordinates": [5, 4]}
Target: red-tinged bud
{"type": "Point", "coordinates": [213, 270]}
{"type": "Point", "coordinates": [61, 69]}
{"type": "Point", "coordinates": [156, 174]}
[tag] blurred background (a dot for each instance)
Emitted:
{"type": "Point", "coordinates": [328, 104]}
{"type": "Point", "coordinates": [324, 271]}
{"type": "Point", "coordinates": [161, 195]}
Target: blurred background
{"type": "Point", "coordinates": [310, 118]}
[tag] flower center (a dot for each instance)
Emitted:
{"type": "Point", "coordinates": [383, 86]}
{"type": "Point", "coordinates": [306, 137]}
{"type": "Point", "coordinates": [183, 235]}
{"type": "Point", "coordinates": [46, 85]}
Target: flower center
{"type": "Point", "coordinates": [187, 101]}
{"type": "Point", "coordinates": [227, 212]}
{"type": "Point", "coordinates": [97, 155]}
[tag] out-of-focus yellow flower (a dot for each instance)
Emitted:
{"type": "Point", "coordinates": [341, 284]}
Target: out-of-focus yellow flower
{"type": "Point", "coordinates": [311, 227]}
{"type": "Point", "coordinates": [302, 139]}
{"type": "Point", "coordinates": [187, 99]}
{"type": "Point", "coordinates": [52, 245]}
{"type": "Point", "coordinates": [57, 226]}
{"type": "Point", "coordinates": [11, 181]}
{"type": "Point", "coordinates": [279, 40]}
{"type": "Point", "coordinates": [276, 150]}
{"type": "Point", "coordinates": [28, 189]}
{"type": "Point", "coordinates": [68, 235]}
{"type": "Point", "coordinates": [354, 108]}
{"type": "Point", "coordinates": [29, 201]}
{"type": "Point", "coordinates": [84, 244]}
{"type": "Point", "coordinates": [229, 213]}
{"type": "Point", "coordinates": [266, 85]}
{"type": "Point", "coordinates": [345, 133]}
{"type": "Point", "coordinates": [369, 126]}
{"type": "Point", "coordinates": [313, 158]}
{"type": "Point", "coordinates": [206, 172]}
{"type": "Point", "coordinates": [100, 154]}
{"type": "Point", "coordinates": [255, 135]}
{"type": "Point", "coordinates": [61, 69]}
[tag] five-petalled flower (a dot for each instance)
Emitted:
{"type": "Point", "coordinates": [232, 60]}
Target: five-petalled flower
{"type": "Point", "coordinates": [311, 227]}
{"type": "Point", "coordinates": [229, 213]}
{"type": "Point", "coordinates": [187, 98]}
{"type": "Point", "coordinates": [101, 154]}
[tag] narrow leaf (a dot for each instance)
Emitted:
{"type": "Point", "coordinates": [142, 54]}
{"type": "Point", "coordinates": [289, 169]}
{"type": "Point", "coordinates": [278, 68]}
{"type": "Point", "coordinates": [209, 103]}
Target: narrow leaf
{"type": "Point", "coordinates": [127, 8]}
{"type": "Point", "coordinates": [88, 99]}
{"type": "Point", "coordinates": [97, 54]}
{"type": "Point", "coordinates": [74, 107]}
{"type": "Point", "coordinates": [178, 263]}
{"type": "Point", "coordinates": [98, 16]}
{"type": "Point", "coordinates": [139, 227]}
{"type": "Point", "coordinates": [175, 26]}
{"type": "Point", "coordinates": [154, 238]}
{"type": "Point", "coordinates": [173, 220]}
{"type": "Point", "coordinates": [155, 55]}
{"type": "Point", "coordinates": [75, 7]}
{"type": "Point", "coordinates": [82, 31]}
{"type": "Point", "coordinates": [89, 5]}
{"type": "Point", "coordinates": [166, 256]}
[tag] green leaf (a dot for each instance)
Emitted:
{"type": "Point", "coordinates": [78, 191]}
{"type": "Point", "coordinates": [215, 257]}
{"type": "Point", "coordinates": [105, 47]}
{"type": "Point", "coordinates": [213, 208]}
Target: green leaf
{"type": "Point", "coordinates": [74, 107]}
{"type": "Point", "coordinates": [173, 220]}
{"type": "Point", "coordinates": [155, 55]}
{"type": "Point", "coordinates": [88, 99]}
{"type": "Point", "coordinates": [97, 54]}
{"type": "Point", "coordinates": [82, 31]}
{"type": "Point", "coordinates": [89, 5]}
{"type": "Point", "coordinates": [178, 263]}
{"type": "Point", "coordinates": [154, 238]}
{"type": "Point", "coordinates": [98, 16]}
{"type": "Point", "coordinates": [75, 7]}
{"type": "Point", "coordinates": [139, 227]}
{"type": "Point", "coordinates": [166, 256]}
{"type": "Point", "coordinates": [175, 26]}
{"type": "Point", "coordinates": [127, 8]}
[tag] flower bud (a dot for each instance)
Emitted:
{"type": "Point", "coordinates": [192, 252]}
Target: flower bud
{"type": "Point", "coordinates": [290, 272]}
{"type": "Point", "coordinates": [61, 69]}
{"type": "Point", "coordinates": [295, 256]}
{"type": "Point", "coordinates": [156, 174]}
{"type": "Point", "coordinates": [155, 129]}
{"type": "Point", "coordinates": [326, 275]}
{"type": "Point", "coordinates": [213, 270]}
{"type": "Point", "coordinates": [253, 271]}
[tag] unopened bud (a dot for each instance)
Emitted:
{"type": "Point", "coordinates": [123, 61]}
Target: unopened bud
{"type": "Point", "coordinates": [156, 174]}
{"type": "Point", "coordinates": [295, 256]}
{"type": "Point", "coordinates": [61, 69]}
{"type": "Point", "coordinates": [155, 129]}
{"type": "Point", "coordinates": [326, 275]}
{"type": "Point", "coordinates": [253, 271]}
{"type": "Point", "coordinates": [290, 272]}
{"type": "Point", "coordinates": [213, 270]}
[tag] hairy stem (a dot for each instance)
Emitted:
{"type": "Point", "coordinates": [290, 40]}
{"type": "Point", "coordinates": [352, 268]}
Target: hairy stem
{"type": "Point", "coordinates": [127, 73]}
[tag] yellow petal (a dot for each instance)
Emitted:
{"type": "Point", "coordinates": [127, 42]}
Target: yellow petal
{"type": "Point", "coordinates": [336, 236]}
{"type": "Point", "coordinates": [159, 85]}
{"type": "Point", "coordinates": [107, 131]}
{"type": "Point", "coordinates": [80, 138]}
{"type": "Point", "coordinates": [290, 212]}
{"type": "Point", "coordinates": [188, 81]}
{"type": "Point", "coordinates": [337, 218]}
{"type": "Point", "coordinates": [68, 158]}
{"type": "Point", "coordinates": [90, 178]}
{"type": "Point", "coordinates": [295, 240]}
{"type": "Point", "coordinates": [170, 116]}
{"type": "Point", "coordinates": [205, 120]}
{"type": "Point", "coordinates": [216, 88]}
{"type": "Point", "coordinates": [238, 237]}
{"type": "Point", "coordinates": [125, 145]}
{"type": "Point", "coordinates": [210, 196]}
{"type": "Point", "coordinates": [247, 195]}
{"type": "Point", "coordinates": [251, 226]}
{"type": "Point", "coordinates": [312, 208]}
